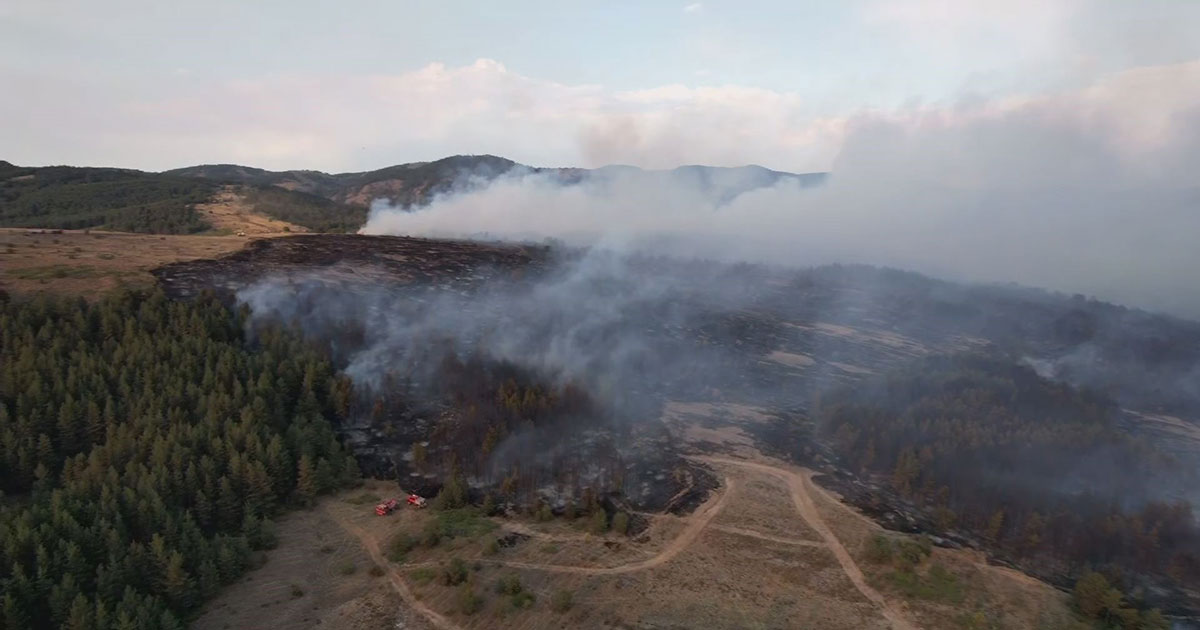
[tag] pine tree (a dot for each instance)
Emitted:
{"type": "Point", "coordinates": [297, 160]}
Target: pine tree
{"type": "Point", "coordinates": [81, 615]}
{"type": "Point", "coordinates": [306, 483]}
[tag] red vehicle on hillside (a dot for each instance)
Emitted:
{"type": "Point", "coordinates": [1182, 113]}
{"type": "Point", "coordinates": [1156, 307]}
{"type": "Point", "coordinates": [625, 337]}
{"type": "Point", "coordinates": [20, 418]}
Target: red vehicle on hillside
{"type": "Point", "coordinates": [387, 507]}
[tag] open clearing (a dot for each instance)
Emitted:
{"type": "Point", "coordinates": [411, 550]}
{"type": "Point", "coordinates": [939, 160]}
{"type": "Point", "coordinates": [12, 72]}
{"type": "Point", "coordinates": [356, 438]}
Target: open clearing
{"type": "Point", "coordinates": [318, 576]}
{"type": "Point", "coordinates": [229, 212]}
{"type": "Point", "coordinates": [89, 263]}
{"type": "Point", "coordinates": [769, 549]}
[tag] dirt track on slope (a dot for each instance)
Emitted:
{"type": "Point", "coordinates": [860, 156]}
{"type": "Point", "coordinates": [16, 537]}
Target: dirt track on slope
{"type": "Point", "coordinates": [798, 485]}
{"type": "Point", "coordinates": [697, 522]}
{"type": "Point", "coordinates": [394, 576]}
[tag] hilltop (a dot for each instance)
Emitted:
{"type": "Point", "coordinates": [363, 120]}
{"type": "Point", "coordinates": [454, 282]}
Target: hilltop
{"type": "Point", "coordinates": [416, 183]}
{"type": "Point", "coordinates": [171, 202]}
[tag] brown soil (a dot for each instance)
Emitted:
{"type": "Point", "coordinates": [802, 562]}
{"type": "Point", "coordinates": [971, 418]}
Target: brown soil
{"type": "Point", "coordinates": [303, 585]}
{"type": "Point", "coordinates": [229, 212]}
{"type": "Point", "coordinates": [799, 486]}
{"type": "Point", "coordinates": [715, 568]}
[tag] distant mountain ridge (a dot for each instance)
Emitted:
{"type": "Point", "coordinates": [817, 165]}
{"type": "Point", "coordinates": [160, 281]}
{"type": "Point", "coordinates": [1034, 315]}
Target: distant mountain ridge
{"type": "Point", "coordinates": [138, 201]}
{"type": "Point", "coordinates": [416, 183]}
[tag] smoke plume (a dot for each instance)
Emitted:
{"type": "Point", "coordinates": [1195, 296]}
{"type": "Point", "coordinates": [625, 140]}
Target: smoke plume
{"type": "Point", "coordinates": [1084, 191]}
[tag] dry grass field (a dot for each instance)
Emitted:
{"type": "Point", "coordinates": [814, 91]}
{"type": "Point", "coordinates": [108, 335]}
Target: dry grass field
{"type": "Point", "coordinates": [770, 549]}
{"type": "Point", "coordinates": [229, 212]}
{"type": "Point", "coordinates": [89, 263]}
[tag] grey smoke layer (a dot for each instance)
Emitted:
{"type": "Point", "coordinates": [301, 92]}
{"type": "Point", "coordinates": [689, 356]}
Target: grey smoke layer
{"type": "Point", "coordinates": [1089, 191]}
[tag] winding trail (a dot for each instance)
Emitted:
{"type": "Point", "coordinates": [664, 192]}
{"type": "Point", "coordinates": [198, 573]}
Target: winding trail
{"type": "Point", "coordinates": [394, 577]}
{"type": "Point", "coordinates": [698, 521]}
{"type": "Point", "coordinates": [798, 485]}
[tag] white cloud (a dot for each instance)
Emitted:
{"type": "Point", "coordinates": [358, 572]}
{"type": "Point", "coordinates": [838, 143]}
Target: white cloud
{"type": "Point", "coordinates": [695, 7]}
{"type": "Point", "coordinates": [355, 122]}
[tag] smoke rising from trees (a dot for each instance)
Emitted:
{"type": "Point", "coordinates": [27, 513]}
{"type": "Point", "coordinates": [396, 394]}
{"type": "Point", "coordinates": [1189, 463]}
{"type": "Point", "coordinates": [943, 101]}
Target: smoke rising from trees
{"type": "Point", "coordinates": [1083, 191]}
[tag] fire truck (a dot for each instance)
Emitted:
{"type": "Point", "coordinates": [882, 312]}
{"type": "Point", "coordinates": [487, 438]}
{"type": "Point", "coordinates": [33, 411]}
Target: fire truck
{"type": "Point", "coordinates": [389, 506]}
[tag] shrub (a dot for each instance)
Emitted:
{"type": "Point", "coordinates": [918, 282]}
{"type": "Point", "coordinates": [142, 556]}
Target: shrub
{"type": "Point", "coordinates": [522, 600]}
{"type": "Point", "coordinates": [469, 602]}
{"type": "Point", "coordinates": [347, 568]}
{"type": "Point", "coordinates": [423, 575]}
{"type": "Point", "coordinates": [620, 523]}
{"type": "Point", "coordinates": [375, 571]}
{"type": "Point", "coordinates": [463, 522]}
{"type": "Point", "coordinates": [297, 592]}
{"type": "Point", "coordinates": [509, 585]}
{"type": "Point", "coordinates": [938, 585]}
{"type": "Point", "coordinates": [562, 601]}
{"type": "Point", "coordinates": [599, 523]}
{"type": "Point", "coordinates": [910, 553]}
{"type": "Point", "coordinates": [879, 550]}
{"type": "Point", "coordinates": [453, 495]}
{"type": "Point", "coordinates": [431, 536]}
{"type": "Point", "coordinates": [454, 573]}
{"type": "Point", "coordinates": [399, 546]}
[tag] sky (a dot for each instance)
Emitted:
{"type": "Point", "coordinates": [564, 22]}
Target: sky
{"type": "Point", "coordinates": [1047, 142]}
{"type": "Point", "coordinates": [360, 85]}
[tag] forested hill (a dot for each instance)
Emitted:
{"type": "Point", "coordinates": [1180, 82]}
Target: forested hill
{"type": "Point", "coordinates": [144, 447]}
{"type": "Point", "coordinates": [64, 197]}
{"type": "Point", "coordinates": [125, 200]}
{"type": "Point", "coordinates": [417, 183]}
{"type": "Point", "coordinates": [1039, 472]}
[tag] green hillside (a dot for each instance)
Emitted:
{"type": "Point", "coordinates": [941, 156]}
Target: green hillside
{"type": "Point", "coordinates": [64, 197]}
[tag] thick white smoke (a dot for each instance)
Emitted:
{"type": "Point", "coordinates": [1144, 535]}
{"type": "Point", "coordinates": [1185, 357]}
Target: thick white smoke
{"type": "Point", "coordinates": [1086, 191]}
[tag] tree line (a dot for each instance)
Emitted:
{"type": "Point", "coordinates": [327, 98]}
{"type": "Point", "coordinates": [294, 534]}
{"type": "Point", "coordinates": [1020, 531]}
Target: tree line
{"type": "Point", "coordinates": [63, 197]}
{"type": "Point", "coordinates": [1039, 471]}
{"type": "Point", "coordinates": [145, 446]}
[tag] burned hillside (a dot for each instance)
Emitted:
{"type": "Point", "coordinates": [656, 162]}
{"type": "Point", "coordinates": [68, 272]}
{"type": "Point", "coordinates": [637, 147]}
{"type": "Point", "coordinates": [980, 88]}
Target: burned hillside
{"type": "Point", "coordinates": [537, 374]}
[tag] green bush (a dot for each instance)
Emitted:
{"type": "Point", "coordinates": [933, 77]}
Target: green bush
{"type": "Point", "coordinates": [562, 601]}
{"type": "Point", "coordinates": [400, 545]}
{"type": "Point", "coordinates": [522, 600]}
{"type": "Point", "coordinates": [469, 602]}
{"type": "Point", "coordinates": [454, 573]}
{"type": "Point", "coordinates": [460, 523]}
{"type": "Point", "coordinates": [879, 549]}
{"type": "Point", "coordinates": [938, 584]}
{"type": "Point", "coordinates": [509, 585]}
{"type": "Point", "coordinates": [423, 575]}
{"type": "Point", "coordinates": [599, 522]}
{"type": "Point", "coordinates": [620, 523]}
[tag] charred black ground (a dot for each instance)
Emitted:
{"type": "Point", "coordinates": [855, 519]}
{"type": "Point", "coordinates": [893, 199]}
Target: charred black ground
{"type": "Point", "coordinates": [539, 375]}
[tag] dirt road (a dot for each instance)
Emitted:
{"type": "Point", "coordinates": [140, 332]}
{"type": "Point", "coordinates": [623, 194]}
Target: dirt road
{"type": "Point", "coordinates": [394, 576]}
{"type": "Point", "coordinates": [798, 485]}
{"type": "Point", "coordinates": [696, 524]}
